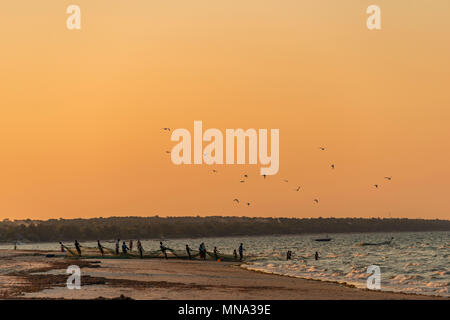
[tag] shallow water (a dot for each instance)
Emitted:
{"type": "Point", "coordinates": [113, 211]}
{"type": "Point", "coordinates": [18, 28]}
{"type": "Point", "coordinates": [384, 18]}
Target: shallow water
{"type": "Point", "coordinates": [413, 263]}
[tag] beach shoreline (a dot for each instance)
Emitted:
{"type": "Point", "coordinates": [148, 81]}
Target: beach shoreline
{"type": "Point", "coordinates": [30, 275]}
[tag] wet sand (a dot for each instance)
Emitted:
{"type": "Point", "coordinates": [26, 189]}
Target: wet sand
{"type": "Point", "coordinates": [30, 275]}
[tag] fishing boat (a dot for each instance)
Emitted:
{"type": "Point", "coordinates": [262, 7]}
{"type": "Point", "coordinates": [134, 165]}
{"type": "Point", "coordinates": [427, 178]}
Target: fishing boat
{"type": "Point", "coordinates": [327, 238]}
{"type": "Point", "coordinates": [377, 243]}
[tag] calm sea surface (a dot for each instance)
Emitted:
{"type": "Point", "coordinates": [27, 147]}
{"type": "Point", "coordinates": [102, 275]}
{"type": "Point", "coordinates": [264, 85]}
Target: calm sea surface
{"type": "Point", "coordinates": [413, 262]}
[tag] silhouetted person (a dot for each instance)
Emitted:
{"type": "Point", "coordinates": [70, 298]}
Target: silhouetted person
{"type": "Point", "coordinates": [241, 252]}
{"type": "Point", "coordinates": [316, 256]}
{"type": "Point", "coordinates": [216, 253]}
{"type": "Point", "coordinates": [202, 251]}
{"type": "Point", "coordinates": [163, 249]}
{"type": "Point", "coordinates": [117, 246]}
{"type": "Point", "coordinates": [188, 250]}
{"type": "Point", "coordinates": [289, 255]}
{"type": "Point", "coordinates": [77, 246]}
{"type": "Point", "coordinates": [131, 245]}
{"type": "Point", "coordinates": [100, 247]}
{"type": "Point", "coordinates": [140, 249]}
{"type": "Point", "coordinates": [125, 248]}
{"type": "Point", "coordinates": [235, 254]}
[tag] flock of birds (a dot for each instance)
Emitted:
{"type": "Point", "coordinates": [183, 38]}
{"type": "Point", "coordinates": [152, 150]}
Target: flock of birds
{"type": "Point", "coordinates": [297, 189]}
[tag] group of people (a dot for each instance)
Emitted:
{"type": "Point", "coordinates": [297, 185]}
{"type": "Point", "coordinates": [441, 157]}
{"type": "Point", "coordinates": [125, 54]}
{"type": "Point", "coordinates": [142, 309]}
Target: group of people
{"type": "Point", "coordinates": [289, 255]}
{"type": "Point", "coordinates": [202, 250]}
{"type": "Point", "coordinates": [241, 252]}
{"type": "Point", "coordinates": [101, 248]}
{"type": "Point", "coordinates": [216, 252]}
{"type": "Point", "coordinates": [125, 248]}
{"type": "Point", "coordinates": [129, 248]}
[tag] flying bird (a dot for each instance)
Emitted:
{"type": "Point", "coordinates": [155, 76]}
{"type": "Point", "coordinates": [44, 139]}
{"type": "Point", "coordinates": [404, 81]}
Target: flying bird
{"type": "Point", "coordinates": [236, 200]}
{"type": "Point", "coordinates": [242, 181]}
{"type": "Point", "coordinates": [298, 188]}
{"type": "Point", "coordinates": [332, 166]}
{"type": "Point", "coordinates": [214, 171]}
{"type": "Point", "coordinates": [316, 201]}
{"type": "Point", "coordinates": [248, 203]}
{"type": "Point", "coordinates": [168, 152]}
{"type": "Point", "coordinates": [388, 178]}
{"type": "Point", "coordinates": [322, 148]}
{"type": "Point", "coordinates": [264, 175]}
{"type": "Point", "coordinates": [376, 186]}
{"type": "Point", "coordinates": [286, 180]}
{"type": "Point", "coordinates": [166, 129]}
{"type": "Point", "coordinates": [245, 175]}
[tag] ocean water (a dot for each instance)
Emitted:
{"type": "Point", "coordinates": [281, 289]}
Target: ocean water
{"type": "Point", "coordinates": [413, 263]}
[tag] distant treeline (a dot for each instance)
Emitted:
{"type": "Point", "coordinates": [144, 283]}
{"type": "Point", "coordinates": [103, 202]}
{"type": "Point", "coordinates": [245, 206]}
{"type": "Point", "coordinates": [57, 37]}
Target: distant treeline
{"type": "Point", "coordinates": [196, 227]}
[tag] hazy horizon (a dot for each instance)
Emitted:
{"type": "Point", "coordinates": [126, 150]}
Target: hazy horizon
{"type": "Point", "coordinates": [215, 216]}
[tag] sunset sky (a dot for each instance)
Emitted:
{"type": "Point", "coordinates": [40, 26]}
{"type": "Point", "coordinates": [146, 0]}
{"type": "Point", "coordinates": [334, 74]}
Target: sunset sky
{"type": "Point", "coordinates": [81, 111]}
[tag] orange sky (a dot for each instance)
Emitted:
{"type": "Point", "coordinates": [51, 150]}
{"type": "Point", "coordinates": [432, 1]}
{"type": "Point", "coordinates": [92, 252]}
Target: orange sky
{"type": "Point", "coordinates": [81, 111]}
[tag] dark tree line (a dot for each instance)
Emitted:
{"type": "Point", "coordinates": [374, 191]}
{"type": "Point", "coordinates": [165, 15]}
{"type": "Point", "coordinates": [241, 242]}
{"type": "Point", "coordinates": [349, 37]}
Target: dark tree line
{"type": "Point", "coordinates": [195, 227]}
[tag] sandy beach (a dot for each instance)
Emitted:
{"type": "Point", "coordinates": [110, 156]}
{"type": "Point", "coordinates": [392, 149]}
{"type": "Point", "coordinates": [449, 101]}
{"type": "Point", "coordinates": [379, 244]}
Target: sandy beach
{"type": "Point", "coordinates": [31, 275]}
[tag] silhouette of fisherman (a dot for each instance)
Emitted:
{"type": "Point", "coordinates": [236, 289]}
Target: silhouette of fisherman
{"type": "Point", "coordinates": [216, 253]}
{"type": "Point", "coordinates": [117, 246]}
{"type": "Point", "coordinates": [163, 249]}
{"type": "Point", "coordinates": [202, 251]}
{"type": "Point", "coordinates": [188, 250]}
{"type": "Point", "coordinates": [241, 252]}
{"type": "Point", "coordinates": [125, 248]}
{"type": "Point", "coordinates": [289, 255]}
{"type": "Point", "coordinates": [78, 247]}
{"type": "Point", "coordinates": [140, 249]}
{"type": "Point", "coordinates": [100, 247]}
